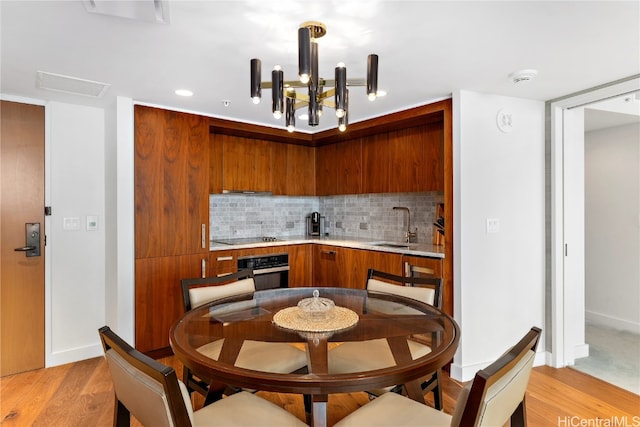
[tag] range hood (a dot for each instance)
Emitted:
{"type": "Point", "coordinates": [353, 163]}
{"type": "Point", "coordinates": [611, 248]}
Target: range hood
{"type": "Point", "coordinates": [248, 192]}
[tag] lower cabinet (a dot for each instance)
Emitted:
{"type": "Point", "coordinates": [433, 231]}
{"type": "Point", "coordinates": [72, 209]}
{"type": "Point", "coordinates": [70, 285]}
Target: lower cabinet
{"type": "Point", "coordinates": [158, 298]}
{"type": "Point", "coordinates": [347, 268]}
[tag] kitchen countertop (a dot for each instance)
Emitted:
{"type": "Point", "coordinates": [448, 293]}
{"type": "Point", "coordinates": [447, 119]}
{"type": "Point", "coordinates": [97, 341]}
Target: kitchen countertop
{"type": "Point", "coordinates": [417, 249]}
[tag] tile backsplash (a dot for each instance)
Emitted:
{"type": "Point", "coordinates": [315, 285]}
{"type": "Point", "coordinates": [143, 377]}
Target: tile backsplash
{"type": "Point", "coordinates": [364, 215]}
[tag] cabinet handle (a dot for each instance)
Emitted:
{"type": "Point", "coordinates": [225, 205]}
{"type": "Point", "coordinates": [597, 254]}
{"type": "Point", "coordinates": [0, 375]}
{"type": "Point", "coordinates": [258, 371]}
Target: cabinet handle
{"type": "Point", "coordinates": [224, 258]}
{"type": "Point", "coordinates": [203, 236]}
{"type": "Point", "coordinates": [329, 252]}
{"type": "Point", "coordinates": [204, 268]}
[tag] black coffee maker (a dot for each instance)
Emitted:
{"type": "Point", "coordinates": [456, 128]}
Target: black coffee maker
{"type": "Point", "coordinates": [315, 224]}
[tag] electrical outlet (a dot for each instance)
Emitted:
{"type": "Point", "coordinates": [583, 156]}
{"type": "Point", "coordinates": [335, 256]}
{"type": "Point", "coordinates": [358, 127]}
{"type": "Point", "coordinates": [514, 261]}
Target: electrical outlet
{"type": "Point", "coordinates": [493, 225]}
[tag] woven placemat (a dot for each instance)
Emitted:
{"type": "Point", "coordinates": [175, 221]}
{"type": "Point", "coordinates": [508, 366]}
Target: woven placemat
{"type": "Point", "coordinates": [290, 318]}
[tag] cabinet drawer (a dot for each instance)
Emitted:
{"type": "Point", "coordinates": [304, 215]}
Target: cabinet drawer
{"type": "Point", "coordinates": [414, 265]}
{"type": "Point", "coordinates": [223, 262]}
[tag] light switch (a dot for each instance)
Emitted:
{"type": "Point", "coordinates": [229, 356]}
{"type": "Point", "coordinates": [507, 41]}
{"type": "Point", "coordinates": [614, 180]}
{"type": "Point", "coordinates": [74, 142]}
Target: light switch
{"type": "Point", "coordinates": [71, 223]}
{"type": "Point", "coordinates": [92, 222]}
{"type": "Point", "coordinates": [493, 225]}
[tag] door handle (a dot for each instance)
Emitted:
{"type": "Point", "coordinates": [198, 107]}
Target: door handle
{"type": "Point", "coordinates": [32, 240]}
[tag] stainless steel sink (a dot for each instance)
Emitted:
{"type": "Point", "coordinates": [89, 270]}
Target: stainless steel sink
{"type": "Point", "coordinates": [392, 245]}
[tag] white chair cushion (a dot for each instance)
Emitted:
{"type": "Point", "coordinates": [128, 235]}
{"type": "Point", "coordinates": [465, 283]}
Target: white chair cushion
{"type": "Point", "coordinates": [425, 295]}
{"type": "Point", "coordinates": [392, 409]}
{"type": "Point", "coordinates": [504, 396]}
{"type": "Point", "coordinates": [244, 409]}
{"type": "Point", "coordinates": [143, 396]}
{"type": "Point", "coordinates": [205, 294]}
{"type": "Point", "coordinates": [280, 358]}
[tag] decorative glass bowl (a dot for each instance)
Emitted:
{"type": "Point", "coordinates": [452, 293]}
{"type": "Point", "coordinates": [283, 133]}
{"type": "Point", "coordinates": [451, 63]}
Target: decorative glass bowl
{"type": "Point", "coordinates": [316, 308]}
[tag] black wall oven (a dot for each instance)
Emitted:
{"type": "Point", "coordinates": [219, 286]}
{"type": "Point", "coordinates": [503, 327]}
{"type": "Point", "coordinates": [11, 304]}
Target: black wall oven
{"type": "Point", "coordinates": [270, 271]}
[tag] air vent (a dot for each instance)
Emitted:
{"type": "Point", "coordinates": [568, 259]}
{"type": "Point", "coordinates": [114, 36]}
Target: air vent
{"type": "Point", "coordinates": [73, 85]}
{"type": "Point", "coordinates": [142, 10]}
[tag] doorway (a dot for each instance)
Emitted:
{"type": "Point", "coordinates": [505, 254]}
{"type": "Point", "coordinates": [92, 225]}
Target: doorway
{"type": "Point", "coordinates": [567, 237]}
{"type": "Point", "coordinates": [22, 273]}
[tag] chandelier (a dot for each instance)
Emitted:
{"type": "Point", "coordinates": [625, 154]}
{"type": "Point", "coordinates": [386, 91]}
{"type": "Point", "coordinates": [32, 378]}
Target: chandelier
{"type": "Point", "coordinates": [285, 98]}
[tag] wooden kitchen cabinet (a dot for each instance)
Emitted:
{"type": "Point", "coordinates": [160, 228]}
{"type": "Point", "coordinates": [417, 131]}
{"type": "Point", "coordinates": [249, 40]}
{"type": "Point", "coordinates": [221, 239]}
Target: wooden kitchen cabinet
{"type": "Point", "coordinates": [171, 183]}
{"type": "Point", "coordinates": [328, 262]}
{"type": "Point", "coordinates": [415, 159]}
{"type": "Point", "coordinates": [300, 265]}
{"type": "Point", "coordinates": [246, 164]}
{"type": "Point", "coordinates": [348, 164]}
{"type": "Point", "coordinates": [346, 267]}
{"type": "Point", "coordinates": [326, 170]}
{"type": "Point", "coordinates": [425, 265]}
{"type": "Point", "coordinates": [375, 164]}
{"type": "Point", "coordinates": [171, 199]}
{"type": "Point", "coordinates": [300, 170]}
{"type": "Point", "coordinates": [158, 298]}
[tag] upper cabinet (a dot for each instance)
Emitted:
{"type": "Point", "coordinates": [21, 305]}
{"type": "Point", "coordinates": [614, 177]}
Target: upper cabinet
{"type": "Point", "coordinates": [171, 182]}
{"type": "Point", "coordinates": [248, 164]}
{"type": "Point", "coordinates": [399, 161]}
{"type": "Point", "coordinates": [415, 159]}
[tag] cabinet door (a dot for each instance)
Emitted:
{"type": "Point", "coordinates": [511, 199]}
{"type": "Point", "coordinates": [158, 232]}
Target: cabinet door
{"type": "Point", "coordinates": [279, 168]}
{"type": "Point", "coordinates": [375, 164]}
{"type": "Point", "coordinates": [300, 171]}
{"type": "Point", "coordinates": [171, 182]}
{"type": "Point", "coordinates": [422, 265]}
{"type": "Point", "coordinates": [246, 164]}
{"type": "Point", "coordinates": [360, 261]}
{"type": "Point", "coordinates": [433, 162]}
{"type": "Point", "coordinates": [348, 158]}
{"type": "Point", "coordinates": [327, 261]}
{"type": "Point", "coordinates": [300, 261]}
{"type": "Point", "coordinates": [326, 171]}
{"type": "Point", "coordinates": [215, 164]}
{"type": "Point", "coordinates": [158, 297]}
{"type": "Point", "coordinates": [406, 154]}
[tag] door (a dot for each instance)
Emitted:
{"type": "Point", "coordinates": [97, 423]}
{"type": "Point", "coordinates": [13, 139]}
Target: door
{"type": "Point", "coordinates": [22, 276]}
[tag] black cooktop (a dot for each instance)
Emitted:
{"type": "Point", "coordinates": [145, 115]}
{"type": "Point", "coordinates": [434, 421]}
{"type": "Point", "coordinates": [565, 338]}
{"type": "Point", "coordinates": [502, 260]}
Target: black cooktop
{"type": "Point", "coordinates": [247, 240]}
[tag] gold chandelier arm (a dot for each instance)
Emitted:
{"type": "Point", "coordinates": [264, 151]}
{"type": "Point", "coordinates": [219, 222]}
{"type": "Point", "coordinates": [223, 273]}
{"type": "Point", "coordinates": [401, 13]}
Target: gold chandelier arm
{"type": "Point", "coordinates": [330, 103]}
{"type": "Point", "coordinates": [321, 82]}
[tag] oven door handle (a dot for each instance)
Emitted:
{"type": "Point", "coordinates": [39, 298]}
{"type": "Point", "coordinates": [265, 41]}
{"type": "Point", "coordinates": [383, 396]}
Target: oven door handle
{"type": "Point", "coordinates": [270, 270]}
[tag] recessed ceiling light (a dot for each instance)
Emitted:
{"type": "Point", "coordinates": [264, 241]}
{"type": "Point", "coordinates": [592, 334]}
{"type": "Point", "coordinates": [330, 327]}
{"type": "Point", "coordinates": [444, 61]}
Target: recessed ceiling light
{"type": "Point", "coordinates": [523, 75]}
{"type": "Point", "coordinates": [184, 92]}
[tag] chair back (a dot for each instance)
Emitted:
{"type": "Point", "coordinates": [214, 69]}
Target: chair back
{"type": "Point", "coordinates": [199, 291]}
{"type": "Point", "coordinates": [497, 392]}
{"type": "Point", "coordinates": [144, 387]}
{"type": "Point", "coordinates": [424, 289]}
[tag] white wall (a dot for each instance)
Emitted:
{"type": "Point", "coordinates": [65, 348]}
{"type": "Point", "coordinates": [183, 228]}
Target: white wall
{"type": "Point", "coordinates": [612, 215]}
{"type": "Point", "coordinates": [498, 277]}
{"type": "Point", "coordinates": [76, 286]}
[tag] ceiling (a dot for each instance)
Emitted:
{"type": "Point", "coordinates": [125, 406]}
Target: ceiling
{"type": "Point", "coordinates": [427, 50]}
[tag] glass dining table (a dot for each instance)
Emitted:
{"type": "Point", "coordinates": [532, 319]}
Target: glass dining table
{"type": "Point", "coordinates": [275, 316]}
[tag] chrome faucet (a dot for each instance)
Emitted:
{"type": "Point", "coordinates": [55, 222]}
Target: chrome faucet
{"type": "Point", "coordinates": [409, 236]}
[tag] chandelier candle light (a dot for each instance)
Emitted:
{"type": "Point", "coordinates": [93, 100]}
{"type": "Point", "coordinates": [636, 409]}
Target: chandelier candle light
{"type": "Point", "coordinates": [285, 99]}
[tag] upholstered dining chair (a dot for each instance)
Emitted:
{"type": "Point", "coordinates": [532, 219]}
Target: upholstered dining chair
{"type": "Point", "coordinates": [496, 394]}
{"type": "Point", "coordinates": [152, 392]}
{"type": "Point", "coordinates": [376, 354]}
{"type": "Point", "coordinates": [260, 356]}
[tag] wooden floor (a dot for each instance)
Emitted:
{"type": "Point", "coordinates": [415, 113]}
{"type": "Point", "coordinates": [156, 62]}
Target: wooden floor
{"type": "Point", "coordinates": [80, 394]}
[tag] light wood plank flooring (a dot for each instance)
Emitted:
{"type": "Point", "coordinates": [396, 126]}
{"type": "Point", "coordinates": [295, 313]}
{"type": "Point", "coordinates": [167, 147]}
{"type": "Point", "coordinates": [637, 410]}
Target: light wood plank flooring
{"type": "Point", "coordinates": [80, 394]}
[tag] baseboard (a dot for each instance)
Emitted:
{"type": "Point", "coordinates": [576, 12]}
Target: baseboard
{"type": "Point", "coordinates": [600, 319]}
{"type": "Point", "coordinates": [73, 355]}
{"type": "Point", "coordinates": [581, 350]}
